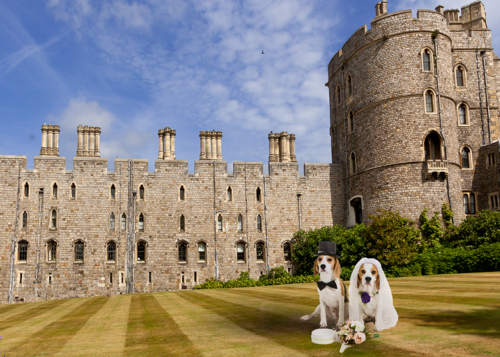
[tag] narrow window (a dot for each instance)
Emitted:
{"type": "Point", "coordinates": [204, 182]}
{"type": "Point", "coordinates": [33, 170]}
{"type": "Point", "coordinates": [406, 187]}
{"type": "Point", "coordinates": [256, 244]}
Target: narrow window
{"type": "Point", "coordinates": [429, 102]}
{"type": "Point", "coordinates": [460, 76]}
{"type": "Point", "coordinates": [229, 194]}
{"type": "Point", "coordinates": [123, 223]}
{"type": "Point", "coordinates": [150, 277]}
{"type": "Point", "coordinates": [20, 278]}
{"type": "Point", "coordinates": [357, 206]}
{"type": "Point", "coordinates": [472, 203]}
{"type": "Point", "coordinates": [181, 193]}
{"type": "Point", "coordinates": [113, 192]}
{"type": "Point", "coordinates": [182, 223]}
{"type": "Point", "coordinates": [353, 163]}
{"type": "Point", "coordinates": [469, 203]}
{"type": "Point", "coordinates": [52, 251]}
{"type": "Point", "coordinates": [141, 222]}
{"type": "Point", "coordinates": [201, 252]}
{"type": "Point", "coordinates": [141, 192]}
{"type": "Point", "coordinates": [466, 203]}
{"type": "Point", "coordinates": [260, 251]}
{"type": "Point", "coordinates": [53, 221]}
{"type": "Point", "coordinates": [287, 252]}
{"type": "Point", "coordinates": [50, 278]}
{"type": "Point", "coordinates": [349, 86]}
{"type": "Point", "coordinates": [54, 191]}
{"type": "Point", "coordinates": [25, 219]}
{"type": "Point", "coordinates": [112, 221]}
{"type": "Point", "coordinates": [240, 249]}
{"type": "Point", "coordinates": [111, 251]}
{"type": "Point", "coordinates": [259, 223]}
{"type": "Point", "coordinates": [257, 194]}
{"type": "Point", "coordinates": [182, 252]}
{"type": "Point", "coordinates": [351, 122]}
{"type": "Point", "coordinates": [240, 222]}
{"type": "Point", "coordinates": [426, 60]}
{"type": "Point", "coordinates": [26, 190]}
{"type": "Point", "coordinates": [219, 223]}
{"type": "Point", "coordinates": [78, 251]}
{"type": "Point", "coordinates": [23, 251]}
{"type": "Point", "coordinates": [182, 277]}
{"type": "Point", "coordinates": [465, 158]}
{"type": "Point", "coordinates": [141, 252]}
{"type": "Point", "coordinates": [111, 278]}
{"type": "Point", "coordinates": [122, 277]}
{"type": "Point", "coordinates": [73, 191]}
{"type": "Point", "coordinates": [195, 277]}
{"type": "Point", "coordinates": [338, 94]}
{"type": "Point", "coordinates": [462, 114]}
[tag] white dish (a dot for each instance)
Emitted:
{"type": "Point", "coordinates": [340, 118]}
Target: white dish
{"type": "Point", "coordinates": [322, 336]}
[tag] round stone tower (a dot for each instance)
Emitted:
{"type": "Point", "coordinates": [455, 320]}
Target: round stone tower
{"type": "Point", "coordinates": [397, 126]}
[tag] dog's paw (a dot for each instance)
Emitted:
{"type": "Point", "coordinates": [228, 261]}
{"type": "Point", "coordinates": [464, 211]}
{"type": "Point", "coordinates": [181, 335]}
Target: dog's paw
{"type": "Point", "coordinates": [305, 317]}
{"type": "Point", "coordinates": [323, 324]}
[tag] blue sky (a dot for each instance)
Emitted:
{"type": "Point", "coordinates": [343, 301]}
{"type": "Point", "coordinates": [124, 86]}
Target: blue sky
{"type": "Point", "coordinates": [133, 67]}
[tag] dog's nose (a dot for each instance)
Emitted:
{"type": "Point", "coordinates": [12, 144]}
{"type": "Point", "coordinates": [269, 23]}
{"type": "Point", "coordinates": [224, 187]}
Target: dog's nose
{"type": "Point", "coordinates": [368, 279]}
{"type": "Point", "coordinates": [323, 266]}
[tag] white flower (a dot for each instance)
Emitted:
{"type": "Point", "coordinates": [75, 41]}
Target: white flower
{"type": "Point", "coordinates": [358, 326]}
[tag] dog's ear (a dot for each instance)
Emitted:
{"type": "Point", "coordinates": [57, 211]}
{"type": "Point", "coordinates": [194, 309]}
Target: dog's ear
{"type": "Point", "coordinates": [377, 284]}
{"type": "Point", "coordinates": [316, 266]}
{"type": "Point", "coordinates": [338, 269]}
{"type": "Point", "coordinates": [359, 278]}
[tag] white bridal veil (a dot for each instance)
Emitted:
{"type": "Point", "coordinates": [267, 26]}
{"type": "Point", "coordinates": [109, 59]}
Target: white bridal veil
{"type": "Point", "coordinates": [386, 315]}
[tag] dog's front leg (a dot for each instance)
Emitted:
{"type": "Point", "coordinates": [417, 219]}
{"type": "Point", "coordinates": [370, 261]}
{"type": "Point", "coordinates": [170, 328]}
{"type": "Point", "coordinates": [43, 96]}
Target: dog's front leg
{"type": "Point", "coordinates": [315, 313]}
{"type": "Point", "coordinates": [341, 319]}
{"type": "Point", "coordinates": [323, 322]}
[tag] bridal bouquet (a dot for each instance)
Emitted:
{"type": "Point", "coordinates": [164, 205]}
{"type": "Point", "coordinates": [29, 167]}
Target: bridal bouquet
{"type": "Point", "coordinates": [352, 333]}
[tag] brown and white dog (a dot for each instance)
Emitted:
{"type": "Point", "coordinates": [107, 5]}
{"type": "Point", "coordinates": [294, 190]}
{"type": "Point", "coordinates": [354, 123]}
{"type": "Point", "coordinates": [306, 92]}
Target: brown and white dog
{"type": "Point", "coordinates": [371, 296]}
{"type": "Point", "coordinates": [333, 301]}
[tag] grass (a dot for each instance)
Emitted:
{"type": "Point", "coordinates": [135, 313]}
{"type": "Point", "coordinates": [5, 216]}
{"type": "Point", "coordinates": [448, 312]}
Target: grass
{"type": "Point", "coordinates": [441, 315]}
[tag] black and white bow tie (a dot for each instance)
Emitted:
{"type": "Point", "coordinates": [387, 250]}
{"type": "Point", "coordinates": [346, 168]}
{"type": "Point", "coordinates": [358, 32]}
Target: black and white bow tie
{"type": "Point", "coordinates": [322, 285]}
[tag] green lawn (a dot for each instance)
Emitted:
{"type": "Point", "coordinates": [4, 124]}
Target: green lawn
{"type": "Point", "coordinates": [442, 315]}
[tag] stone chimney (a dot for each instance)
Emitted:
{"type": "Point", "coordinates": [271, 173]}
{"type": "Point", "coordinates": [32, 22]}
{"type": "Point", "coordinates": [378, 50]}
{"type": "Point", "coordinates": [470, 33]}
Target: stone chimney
{"type": "Point", "coordinates": [282, 147]}
{"type": "Point", "coordinates": [381, 8]}
{"type": "Point", "coordinates": [89, 141]}
{"type": "Point", "coordinates": [166, 139]}
{"type": "Point", "coordinates": [50, 140]}
{"type": "Point", "coordinates": [210, 145]}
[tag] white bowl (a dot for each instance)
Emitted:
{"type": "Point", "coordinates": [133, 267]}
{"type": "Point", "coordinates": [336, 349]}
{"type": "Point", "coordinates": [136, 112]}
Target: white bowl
{"type": "Point", "coordinates": [322, 336]}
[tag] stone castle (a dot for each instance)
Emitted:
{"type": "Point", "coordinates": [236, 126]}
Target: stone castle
{"type": "Point", "coordinates": [413, 125]}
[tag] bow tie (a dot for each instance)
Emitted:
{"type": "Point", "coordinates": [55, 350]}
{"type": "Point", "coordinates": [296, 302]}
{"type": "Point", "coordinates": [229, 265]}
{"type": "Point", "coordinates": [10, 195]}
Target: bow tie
{"type": "Point", "coordinates": [322, 285]}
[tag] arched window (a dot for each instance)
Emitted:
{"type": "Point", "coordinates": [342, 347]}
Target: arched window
{"type": "Point", "coordinates": [260, 251]}
{"type": "Point", "coordinates": [73, 190]}
{"type": "Point", "coordinates": [141, 192]}
{"type": "Point", "coordinates": [287, 252]}
{"type": "Point", "coordinates": [112, 221]}
{"type": "Point", "coordinates": [54, 190]}
{"type": "Point", "coordinates": [26, 190]}
{"type": "Point", "coordinates": [257, 194]}
{"type": "Point", "coordinates": [426, 60]}
{"type": "Point", "coordinates": [240, 252]}
{"type": "Point", "coordinates": [460, 76]}
{"type": "Point", "coordinates": [181, 193]}
{"type": "Point", "coordinates": [182, 252]}
{"type": "Point", "coordinates": [51, 251]}
{"type": "Point", "coordinates": [25, 219]}
{"type": "Point", "coordinates": [141, 222]}
{"type": "Point", "coordinates": [463, 118]}
{"type": "Point", "coordinates": [202, 247]}
{"type": "Point", "coordinates": [351, 122]}
{"type": "Point", "coordinates": [240, 222]}
{"type": "Point", "coordinates": [79, 251]}
{"type": "Point", "coordinates": [113, 192]}
{"type": "Point", "coordinates": [338, 94]}
{"type": "Point", "coordinates": [111, 251]}
{"type": "Point", "coordinates": [229, 194]}
{"type": "Point", "coordinates": [123, 222]}
{"type": "Point", "coordinates": [219, 222]}
{"type": "Point", "coordinates": [429, 101]}
{"type": "Point", "coordinates": [349, 86]}
{"type": "Point", "coordinates": [352, 163]}
{"type": "Point", "coordinates": [53, 221]}
{"type": "Point", "coordinates": [141, 252]}
{"type": "Point", "coordinates": [466, 158]}
{"type": "Point", "coordinates": [433, 146]}
{"type": "Point", "coordinates": [469, 203]}
{"type": "Point", "coordinates": [259, 223]}
{"type": "Point", "coordinates": [22, 250]}
{"type": "Point", "coordinates": [182, 223]}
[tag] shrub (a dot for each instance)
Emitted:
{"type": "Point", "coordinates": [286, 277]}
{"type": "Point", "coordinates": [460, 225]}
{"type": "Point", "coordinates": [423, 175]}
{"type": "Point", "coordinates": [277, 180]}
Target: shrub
{"type": "Point", "coordinates": [431, 230]}
{"type": "Point", "coordinates": [476, 231]}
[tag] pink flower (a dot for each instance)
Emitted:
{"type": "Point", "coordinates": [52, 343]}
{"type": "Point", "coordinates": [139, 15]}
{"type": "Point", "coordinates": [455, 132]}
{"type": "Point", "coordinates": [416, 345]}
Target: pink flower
{"type": "Point", "coordinates": [349, 322]}
{"type": "Point", "coordinates": [359, 337]}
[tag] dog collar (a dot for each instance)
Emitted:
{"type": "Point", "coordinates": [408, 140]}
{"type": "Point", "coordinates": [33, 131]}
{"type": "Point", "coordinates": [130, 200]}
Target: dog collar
{"type": "Point", "coordinates": [366, 297]}
{"type": "Point", "coordinates": [322, 285]}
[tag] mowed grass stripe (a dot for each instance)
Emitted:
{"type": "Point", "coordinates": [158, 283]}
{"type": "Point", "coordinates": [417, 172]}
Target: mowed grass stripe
{"type": "Point", "coordinates": [311, 300]}
{"type": "Point", "coordinates": [151, 331]}
{"type": "Point", "coordinates": [54, 336]}
{"type": "Point", "coordinates": [106, 331]}
{"type": "Point", "coordinates": [215, 335]}
{"type": "Point", "coordinates": [33, 311]}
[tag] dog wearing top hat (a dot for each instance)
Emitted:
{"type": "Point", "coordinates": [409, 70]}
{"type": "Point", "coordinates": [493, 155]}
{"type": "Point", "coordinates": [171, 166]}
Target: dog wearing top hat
{"type": "Point", "coordinates": [333, 301]}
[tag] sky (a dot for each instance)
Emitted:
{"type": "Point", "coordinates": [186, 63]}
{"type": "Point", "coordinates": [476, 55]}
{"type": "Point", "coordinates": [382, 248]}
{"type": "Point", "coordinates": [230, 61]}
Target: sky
{"type": "Point", "coordinates": [133, 67]}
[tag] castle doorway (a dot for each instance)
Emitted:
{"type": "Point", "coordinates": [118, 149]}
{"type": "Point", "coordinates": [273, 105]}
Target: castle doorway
{"type": "Point", "coordinates": [432, 146]}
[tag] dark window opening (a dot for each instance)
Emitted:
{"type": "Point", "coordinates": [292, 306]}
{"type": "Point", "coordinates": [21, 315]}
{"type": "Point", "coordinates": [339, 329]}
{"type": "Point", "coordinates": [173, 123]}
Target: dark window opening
{"type": "Point", "coordinates": [182, 223]}
{"type": "Point", "coordinates": [111, 278]}
{"type": "Point", "coordinates": [429, 102]}
{"type": "Point", "coordinates": [259, 223]}
{"type": "Point", "coordinates": [52, 250]}
{"type": "Point", "coordinates": [141, 252]}
{"type": "Point", "coordinates": [469, 203]}
{"type": "Point", "coordinates": [50, 278]}
{"type": "Point", "coordinates": [287, 252]}
{"type": "Point", "coordinates": [201, 252]}
{"type": "Point", "coordinates": [141, 222]}
{"type": "Point", "coordinates": [462, 114]}
{"type": "Point", "coordinates": [150, 277]}
{"type": "Point", "coordinates": [240, 252]}
{"type": "Point", "coordinates": [433, 147]}
{"type": "Point", "coordinates": [111, 252]}
{"type": "Point", "coordinates": [219, 223]}
{"type": "Point", "coordinates": [349, 85]}
{"type": "Point", "coordinates": [182, 277]}
{"type": "Point", "coordinates": [122, 277]}
{"type": "Point", "coordinates": [338, 94]}
{"type": "Point", "coordinates": [73, 190]}
{"type": "Point", "coordinates": [26, 190]}
{"type": "Point", "coordinates": [260, 251]}
{"type": "Point", "coordinates": [113, 190]}
{"type": "Point", "coordinates": [181, 193]}
{"type": "Point", "coordinates": [23, 251]}
{"type": "Point", "coordinates": [229, 194]}
{"type": "Point", "coordinates": [460, 77]}
{"type": "Point", "coordinates": [195, 277]}
{"type": "Point", "coordinates": [20, 278]}
{"type": "Point", "coordinates": [353, 163]}
{"type": "Point", "coordinates": [78, 251]}
{"type": "Point", "coordinates": [427, 60]}
{"type": "Point", "coordinates": [123, 223]}
{"type": "Point", "coordinates": [358, 210]}
{"type": "Point", "coordinates": [240, 222]}
{"type": "Point", "coordinates": [141, 192]}
{"type": "Point", "coordinates": [54, 191]}
{"type": "Point", "coordinates": [351, 122]}
{"type": "Point", "coordinates": [257, 194]}
{"type": "Point", "coordinates": [25, 219]}
{"type": "Point", "coordinates": [182, 252]}
{"type": "Point", "coordinates": [465, 158]}
{"type": "Point", "coordinates": [54, 219]}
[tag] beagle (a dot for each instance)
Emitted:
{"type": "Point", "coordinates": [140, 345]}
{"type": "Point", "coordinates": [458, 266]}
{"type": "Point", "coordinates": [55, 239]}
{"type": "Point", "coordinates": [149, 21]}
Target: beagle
{"type": "Point", "coordinates": [333, 299]}
{"type": "Point", "coordinates": [368, 282]}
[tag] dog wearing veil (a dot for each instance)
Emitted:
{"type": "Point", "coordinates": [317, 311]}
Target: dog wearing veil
{"type": "Point", "coordinates": [371, 296]}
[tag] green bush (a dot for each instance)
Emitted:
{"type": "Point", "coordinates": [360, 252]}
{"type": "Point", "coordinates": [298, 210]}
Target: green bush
{"type": "Point", "coordinates": [431, 230]}
{"type": "Point", "coordinates": [476, 231]}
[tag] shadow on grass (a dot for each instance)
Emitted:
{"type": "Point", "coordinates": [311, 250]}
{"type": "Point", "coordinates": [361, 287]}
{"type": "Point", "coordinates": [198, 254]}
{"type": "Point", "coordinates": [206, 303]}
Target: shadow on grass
{"type": "Point", "coordinates": [280, 298]}
{"type": "Point", "coordinates": [484, 322]}
{"type": "Point", "coordinates": [30, 314]}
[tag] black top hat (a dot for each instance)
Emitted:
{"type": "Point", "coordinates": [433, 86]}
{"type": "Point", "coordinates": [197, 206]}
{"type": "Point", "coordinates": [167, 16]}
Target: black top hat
{"type": "Point", "coordinates": [327, 248]}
